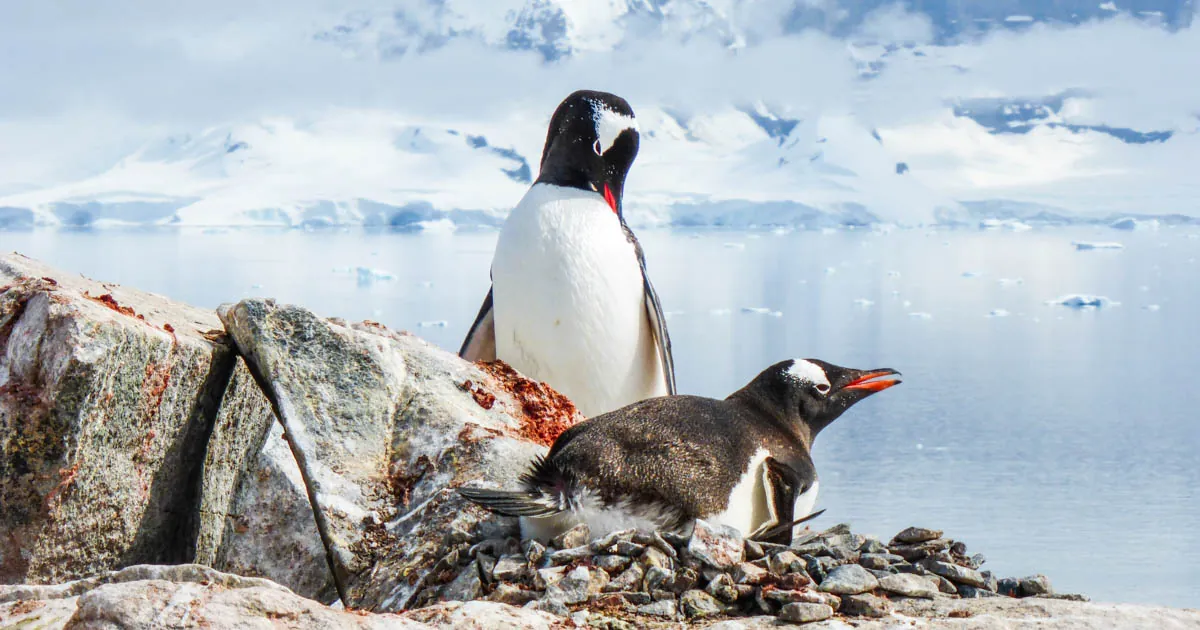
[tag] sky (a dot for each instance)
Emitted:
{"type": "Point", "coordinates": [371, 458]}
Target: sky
{"type": "Point", "coordinates": [83, 84]}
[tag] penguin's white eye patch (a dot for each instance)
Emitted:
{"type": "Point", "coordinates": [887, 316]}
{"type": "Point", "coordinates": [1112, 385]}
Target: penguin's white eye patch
{"type": "Point", "coordinates": [597, 148]}
{"type": "Point", "coordinates": [609, 125]}
{"type": "Point", "coordinates": [823, 388]}
{"type": "Point", "coordinates": [806, 372]}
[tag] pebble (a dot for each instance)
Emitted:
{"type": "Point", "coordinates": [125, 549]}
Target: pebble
{"type": "Point", "coordinates": [875, 561]}
{"type": "Point", "coordinates": [872, 545]}
{"type": "Point", "coordinates": [576, 587]}
{"type": "Point", "coordinates": [575, 537]}
{"type": "Point", "coordinates": [971, 592]}
{"type": "Point", "coordinates": [552, 606]}
{"type": "Point", "coordinates": [629, 579]}
{"type": "Point", "coordinates": [466, 586]}
{"type": "Point", "coordinates": [849, 579]}
{"type": "Point", "coordinates": [656, 577]}
{"type": "Point", "coordinates": [1009, 587]}
{"type": "Point", "coordinates": [865, 605]}
{"type": "Point", "coordinates": [699, 604]}
{"type": "Point", "coordinates": [718, 546]}
{"type": "Point", "coordinates": [955, 573]}
{"type": "Point", "coordinates": [635, 599]}
{"type": "Point", "coordinates": [549, 577]}
{"type": "Point", "coordinates": [722, 588]}
{"type": "Point", "coordinates": [654, 557]}
{"type": "Point", "coordinates": [801, 612]}
{"type": "Point", "coordinates": [959, 548]}
{"type": "Point", "coordinates": [512, 595]}
{"type": "Point", "coordinates": [975, 561]}
{"type": "Point", "coordinates": [534, 552]}
{"type": "Point", "coordinates": [1036, 585]}
{"type": "Point", "coordinates": [630, 548]}
{"type": "Point", "coordinates": [917, 535]}
{"type": "Point", "coordinates": [746, 573]}
{"type": "Point", "coordinates": [567, 556]}
{"type": "Point", "coordinates": [511, 569]}
{"type": "Point", "coordinates": [613, 563]}
{"type": "Point", "coordinates": [753, 550]}
{"type": "Point", "coordinates": [944, 585]}
{"type": "Point", "coordinates": [908, 585]}
{"type": "Point", "coordinates": [989, 581]}
{"type": "Point", "coordinates": [662, 608]}
{"type": "Point", "coordinates": [813, 549]}
{"type": "Point", "coordinates": [684, 580]}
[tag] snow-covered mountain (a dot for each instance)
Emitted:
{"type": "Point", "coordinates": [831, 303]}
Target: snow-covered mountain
{"type": "Point", "coordinates": [858, 112]}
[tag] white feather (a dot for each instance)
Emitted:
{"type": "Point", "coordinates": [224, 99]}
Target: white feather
{"type": "Point", "coordinates": [748, 507]}
{"type": "Point", "coordinates": [601, 519]}
{"type": "Point", "coordinates": [808, 372]}
{"type": "Point", "coordinates": [610, 124]}
{"type": "Point", "coordinates": [569, 303]}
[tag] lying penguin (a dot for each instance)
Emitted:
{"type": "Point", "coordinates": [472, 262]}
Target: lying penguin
{"type": "Point", "coordinates": [664, 462]}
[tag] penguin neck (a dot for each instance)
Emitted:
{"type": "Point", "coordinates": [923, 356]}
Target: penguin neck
{"type": "Point", "coordinates": [776, 415]}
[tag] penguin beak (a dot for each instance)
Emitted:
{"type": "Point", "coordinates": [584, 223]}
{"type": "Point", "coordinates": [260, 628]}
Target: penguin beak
{"type": "Point", "coordinates": [872, 381]}
{"type": "Point", "coordinates": [610, 198]}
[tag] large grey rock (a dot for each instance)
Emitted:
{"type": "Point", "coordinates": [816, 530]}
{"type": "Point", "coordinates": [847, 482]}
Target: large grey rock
{"type": "Point", "coordinates": [192, 596]}
{"type": "Point", "coordinates": [908, 585]}
{"type": "Point", "coordinates": [107, 399]}
{"type": "Point", "coordinates": [954, 573]}
{"type": "Point", "coordinates": [849, 579]}
{"type": "Point", "coordinates": [383, 426]}
{"type": "Point", "coordinates": [714, 545]}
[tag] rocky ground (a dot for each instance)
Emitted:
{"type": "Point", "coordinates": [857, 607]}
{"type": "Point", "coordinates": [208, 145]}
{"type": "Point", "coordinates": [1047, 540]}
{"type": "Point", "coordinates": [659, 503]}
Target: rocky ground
{"type": "Point", "coordinates": [151, 453]}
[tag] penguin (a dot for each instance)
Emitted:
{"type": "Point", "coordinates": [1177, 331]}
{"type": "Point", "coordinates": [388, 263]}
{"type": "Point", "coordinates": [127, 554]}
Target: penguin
{"type": "Point", "coordinates": [570, 302]}
{"type": "Point", "coordinates": [662, 463]}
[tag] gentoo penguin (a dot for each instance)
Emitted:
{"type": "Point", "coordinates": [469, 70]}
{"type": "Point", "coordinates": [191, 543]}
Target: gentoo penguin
{"type": "Point", "coordinates": [570, 302]}
{"type": "Point", "coordinates": [662, 463]}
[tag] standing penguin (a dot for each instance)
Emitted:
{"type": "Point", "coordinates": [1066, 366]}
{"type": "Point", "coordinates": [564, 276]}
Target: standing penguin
{"type": "Point", "coordinates": [662, 463]}
{"type": "Point", "coordinates": [570, 302]}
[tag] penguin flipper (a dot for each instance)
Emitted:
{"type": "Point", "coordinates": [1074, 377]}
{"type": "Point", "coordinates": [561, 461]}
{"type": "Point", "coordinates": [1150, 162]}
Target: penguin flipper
{"type": "Point", "coordinates": [782, 485]}
{"type": "Point", "coordinates": [512, 502]}
{"type": "Point", "coordinates": [480, 343]}
{"type": "Point", "coordinates": [658, 325]}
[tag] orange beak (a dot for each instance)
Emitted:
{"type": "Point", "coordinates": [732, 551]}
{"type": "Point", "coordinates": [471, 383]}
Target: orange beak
{"type": "Point", "coordinates": [868, 382]}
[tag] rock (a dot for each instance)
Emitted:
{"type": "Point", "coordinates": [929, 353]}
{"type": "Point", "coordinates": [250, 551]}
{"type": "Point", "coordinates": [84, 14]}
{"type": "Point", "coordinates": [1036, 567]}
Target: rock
{"type": "Point", "coordinates": [753, 550]}
{"type": "Point", "coordinates": [629, 580]}
{"type": "Point", "coordinates": [550, 603]}
{"type": "Point", "coordinates": [865, 605]}
{"type": "Point", "coordinates": [546, 578]}
{"type": "Point", "coordinates": [695, 603]}
{"type": "Point", "coordinates": [385, 424]}
{"type": "Point", "coordinates": [971, 592]}
{"type": "Point", "coordinates": [746, 573]}
{"type": "Point", "coordinates": [661, 608]}
{"type": "Point", "coordinates": [466, 586]}
{"type": "Point", "coordinates": [683, 580]}
{"type": "Point", "coordinates": [656, 578]}
{"type": "Point", "coordinates": [976, 560]}
{"type": "Point", "coordinates": [1009, 587]}
{"type": "Point", "coordinates": [959, 548]}
{"type": "Point", "coordinates": [107, 398]}
{"type": "Point", "coordinates": [813, 549]}
{"type": "Point", "coordinates": [534, 552]}
{"type": "Point", "coordinates": [613, 564]}
{"type": "Point", "coordinates": [654, 557]}
{"type": "Point", "coordinates": [875, 561]}
{"type": "Point", "coordinates": [718, 546]}
{"type": "Point", "coordinates": [908, 585]}
{"type": "Point", "coordinates": [1036, 585]}
{"type": "Point", "coordinates": [800, 612]}
{"type": "Point", "coordinates": [818, 568]}
{"type": "Point", "coordinates": [785, 562]}
{"type": "Point", "coordinates": [989, 581]}
{"type": "Point", "coordinates": [954, 573]}
{"type": "Point", "coordinates": [872, 545]}
{"type": "Point", "coordinates": [944, 585]}
{"type": "Point", "coordinates": [848, 579]}
{"type": "Point", "coordinates": [722, 587]}
{"type": "Point", "coordinates": [567, 556]}
{"type": "Point", "coordinates": [512, 595]}
{"type": "Point", "coordinates": [511, 569]}
{"type": "Point", "coordinates": [914, 535]}
{"type": "Point", "coordinates": [579, 584]}
{"type": "Point", "coordinates": [577, 536]}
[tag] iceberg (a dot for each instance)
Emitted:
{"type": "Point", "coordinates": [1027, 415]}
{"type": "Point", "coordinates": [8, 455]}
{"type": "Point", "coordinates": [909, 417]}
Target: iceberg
{"type": "Point", "coordinates": [1082, 301]}
{"type": "Point", "coordinates": [1088, 246]}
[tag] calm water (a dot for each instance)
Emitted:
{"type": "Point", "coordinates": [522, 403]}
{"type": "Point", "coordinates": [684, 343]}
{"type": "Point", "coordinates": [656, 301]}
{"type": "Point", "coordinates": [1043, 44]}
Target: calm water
{"type": "Point", "coordinates": [1052, 440]}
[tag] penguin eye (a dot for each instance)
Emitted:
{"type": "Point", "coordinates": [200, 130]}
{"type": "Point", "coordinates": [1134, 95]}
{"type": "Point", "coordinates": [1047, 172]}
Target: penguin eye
{"type": "Point", "coordinates": [823, 388]}
{"type": "Point", "coordinates": [596, 147]}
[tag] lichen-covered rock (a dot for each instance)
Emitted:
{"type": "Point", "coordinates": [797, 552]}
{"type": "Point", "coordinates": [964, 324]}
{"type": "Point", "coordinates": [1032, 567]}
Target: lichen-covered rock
{"type": "Point", "coordinates": [107, 399]}
{"type": "Point", "coordinates": [716, 546]}
{"type": "Point", "coordinates": [383, 427]}
{"type": "Point", "coordinates": [800, 612]}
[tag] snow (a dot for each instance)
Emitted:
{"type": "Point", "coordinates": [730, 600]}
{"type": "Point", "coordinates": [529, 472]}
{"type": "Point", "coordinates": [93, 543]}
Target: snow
{"type": "Point", "coordinates": [1087, 246]}
{"type": "Point", "coordinates": [1083, 301]}
{"type": "Point", "coordinates": [998, 312]}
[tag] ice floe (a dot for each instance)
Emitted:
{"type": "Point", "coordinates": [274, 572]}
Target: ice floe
{"type": "Point", "coordinates": [1083, 301]}
{"type": "Point", "coordinates": [1088, 245]}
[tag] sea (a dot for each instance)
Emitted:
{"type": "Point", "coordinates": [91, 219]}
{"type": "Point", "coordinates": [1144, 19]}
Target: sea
{"type": "Point", "coordinates": [1053, 438]}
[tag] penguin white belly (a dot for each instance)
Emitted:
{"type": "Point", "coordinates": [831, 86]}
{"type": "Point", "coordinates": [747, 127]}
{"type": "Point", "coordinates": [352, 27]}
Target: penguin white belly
{"type": "Point", "coordinates": [569, 302]}
{"type": "Point", "coordinates": [750, 507]}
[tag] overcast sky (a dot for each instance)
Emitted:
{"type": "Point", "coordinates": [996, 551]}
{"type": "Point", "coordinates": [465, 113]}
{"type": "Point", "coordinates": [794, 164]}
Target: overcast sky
{"type": "Point", "coordinates": [83, 83]}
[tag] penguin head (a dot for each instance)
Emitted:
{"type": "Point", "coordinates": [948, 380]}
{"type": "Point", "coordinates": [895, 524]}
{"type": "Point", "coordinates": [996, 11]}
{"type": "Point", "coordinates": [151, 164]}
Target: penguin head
{"type": "Point", "coordinates": [814, 392]}
{"type": "Point", "coordinates": [590, 145]}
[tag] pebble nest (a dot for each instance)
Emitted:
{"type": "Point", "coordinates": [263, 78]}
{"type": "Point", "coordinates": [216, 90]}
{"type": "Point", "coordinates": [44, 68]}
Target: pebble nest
{"type": "Point", "coordinates": [715, 573]}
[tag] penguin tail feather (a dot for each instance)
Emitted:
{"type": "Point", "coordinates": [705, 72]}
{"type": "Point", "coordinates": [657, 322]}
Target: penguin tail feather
{"type": "Point", "coordinates": [548, 490]}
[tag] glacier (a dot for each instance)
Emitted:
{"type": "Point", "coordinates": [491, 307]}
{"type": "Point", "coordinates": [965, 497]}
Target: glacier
{"type": "Point", "coordinates": [887, 117]}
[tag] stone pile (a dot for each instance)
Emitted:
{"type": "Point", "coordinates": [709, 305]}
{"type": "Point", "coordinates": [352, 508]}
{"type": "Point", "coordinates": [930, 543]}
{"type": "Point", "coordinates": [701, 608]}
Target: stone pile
{"type": "Point", "coordinates": [714, 572]}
